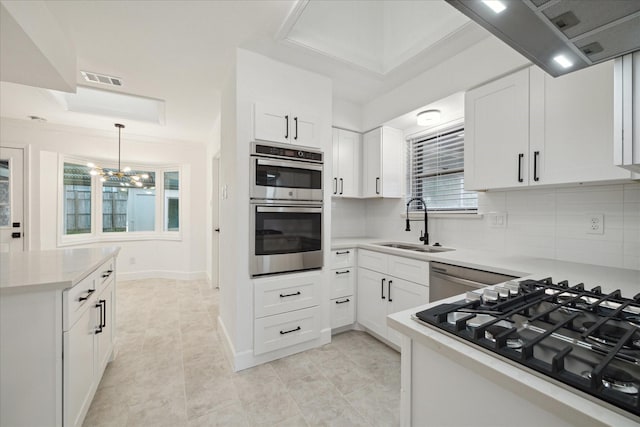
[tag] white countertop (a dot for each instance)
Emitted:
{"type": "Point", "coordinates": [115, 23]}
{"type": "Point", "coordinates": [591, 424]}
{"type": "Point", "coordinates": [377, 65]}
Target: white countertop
{"type": "Point", "coordinates": [49, 270]}
{"type": "Point", "coordinates": [609, 278]}
{"type": "Point", "coordinates": [494, 368]}
{"type": "Point", "coordinates": [531, 385]}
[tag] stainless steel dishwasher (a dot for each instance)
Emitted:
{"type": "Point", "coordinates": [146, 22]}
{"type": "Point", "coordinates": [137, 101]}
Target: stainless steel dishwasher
{"type": "Point", "coordinates": [448, 280]}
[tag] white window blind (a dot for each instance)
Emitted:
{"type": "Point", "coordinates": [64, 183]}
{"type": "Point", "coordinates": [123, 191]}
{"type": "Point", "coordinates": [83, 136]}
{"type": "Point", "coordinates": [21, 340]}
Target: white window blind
{"type": "Point", "coordinates": [436, 171]}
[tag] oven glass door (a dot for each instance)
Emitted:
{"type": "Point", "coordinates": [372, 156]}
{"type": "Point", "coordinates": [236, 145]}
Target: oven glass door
{"type": "Point", "coordinates": [287, 230]}
{"type": "Point", "coordinates": [285, 179]}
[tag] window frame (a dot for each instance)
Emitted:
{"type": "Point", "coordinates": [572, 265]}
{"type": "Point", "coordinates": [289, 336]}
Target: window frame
{"type": "Point", "coordinates": [97, 235]}
{"type": "Point", "coordinates": [433, 132]}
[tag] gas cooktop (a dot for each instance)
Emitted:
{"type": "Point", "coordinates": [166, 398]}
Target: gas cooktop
{"type": "Point", "coordinates": [584, 338]}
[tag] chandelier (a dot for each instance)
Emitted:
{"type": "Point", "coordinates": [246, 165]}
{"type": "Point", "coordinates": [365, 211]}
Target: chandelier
{"type": "Point", "coordinates": [124, 176]}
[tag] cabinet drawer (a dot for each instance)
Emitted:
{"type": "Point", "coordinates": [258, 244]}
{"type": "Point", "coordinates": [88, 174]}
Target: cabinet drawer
{"type": "Point", "coordinates": [343, 282]}
{"type": "Point", "coordinates": [76, 299]}
{"type": "Point", "coordinates": [275, 295]}
{"type": "Point", "coordinates": [343, 311]}
{"type": "Point", "coordinates": [284, 330]}
{"type": "Point", "coordinates": [105, 273]}
{"type": "Point", "coordinates": [342, 258]}
{"type": "Point", "coordinates": [409, 269]}
{"type": "Point", "coordinates": [372, 260]}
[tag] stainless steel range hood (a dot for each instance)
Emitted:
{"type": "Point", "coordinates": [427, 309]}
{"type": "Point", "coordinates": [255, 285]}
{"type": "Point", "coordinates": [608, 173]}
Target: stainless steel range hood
{"type": "Point", "coordinates": [584, 32]}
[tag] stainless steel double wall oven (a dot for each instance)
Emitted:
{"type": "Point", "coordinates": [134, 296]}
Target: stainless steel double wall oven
{"type": "Point", "coordinates": [286, 208]}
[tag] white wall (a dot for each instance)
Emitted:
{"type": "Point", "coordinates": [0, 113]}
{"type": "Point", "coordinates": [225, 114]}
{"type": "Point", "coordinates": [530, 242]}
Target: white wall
{"type": "Point", "coordinates": [183, 259]}
{"type": "Point", "coordinates": [547, 223]}
{"type": "Point", "coordinates": [481, 62]}
{"type": "Point", "coordinates": [347, 115]}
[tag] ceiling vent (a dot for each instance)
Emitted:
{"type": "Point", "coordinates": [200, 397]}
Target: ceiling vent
{"type": "Point", "coordinates": [101, 78]}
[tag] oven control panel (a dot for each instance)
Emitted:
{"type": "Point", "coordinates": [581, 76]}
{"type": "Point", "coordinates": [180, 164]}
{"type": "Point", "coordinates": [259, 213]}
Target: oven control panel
{"type": "Point", "coordinates": [289, 153]}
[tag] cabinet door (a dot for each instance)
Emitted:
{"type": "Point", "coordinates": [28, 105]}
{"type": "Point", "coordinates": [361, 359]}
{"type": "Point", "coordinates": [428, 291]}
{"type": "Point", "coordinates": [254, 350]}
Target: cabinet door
{"type": "Point", "coordinates": [403, 295]}
{"type": "Point", "coordinates": [303, 129]}
{"type": "Point", "coordinates": [349, 164]}
{"type": "Point", "coordinates": [372, 301]}
{"type": "Point", "coordinates": [496, 146]}
{"type": "Point", "coordinates": [335, 161]}
{"type": "Point", "coordinates": [572, 127]}
{"type": "Point", "coordinates": [271, 123]}
{"type": "Point", "coordinates": [391, 162]}
{"type": "Point", "coordinates": [78, 366]}
{"type": "Point", "coordinates": [371, 164]}
{"type": "Point", "coordinates": [106, 330]}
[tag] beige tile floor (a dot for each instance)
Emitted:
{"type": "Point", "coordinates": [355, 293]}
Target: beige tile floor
{"type": "Point", "coordinates": [171, 371]}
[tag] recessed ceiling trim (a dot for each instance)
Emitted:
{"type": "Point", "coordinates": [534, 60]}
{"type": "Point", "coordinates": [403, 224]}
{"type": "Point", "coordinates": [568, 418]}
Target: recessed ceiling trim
{"type": "Point", "coordinates": [292, 19]}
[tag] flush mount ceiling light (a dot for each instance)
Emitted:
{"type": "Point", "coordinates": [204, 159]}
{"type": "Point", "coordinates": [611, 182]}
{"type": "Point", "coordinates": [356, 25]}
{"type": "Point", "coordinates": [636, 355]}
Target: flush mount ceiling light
{"type": "Point", "coordinates": [428, 117]}
{"type": "Point", "coordinates": [124, 176]}
{"type": "Point", "coordinates": [495, 5]}
{"type": "Point", "coordinates": [563, 61]}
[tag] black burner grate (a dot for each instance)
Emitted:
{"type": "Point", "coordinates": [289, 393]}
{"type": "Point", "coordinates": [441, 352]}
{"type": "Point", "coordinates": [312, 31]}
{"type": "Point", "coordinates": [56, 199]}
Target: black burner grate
{"type": "Point", "coordinates": [583, 338]}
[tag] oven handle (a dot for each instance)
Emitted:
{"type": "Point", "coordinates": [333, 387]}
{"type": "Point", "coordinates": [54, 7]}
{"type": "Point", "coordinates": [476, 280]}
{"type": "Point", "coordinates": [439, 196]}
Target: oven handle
{"type": "Point", "coordinates": [297, 164]}
{"type": "Point", "coordinates": [286, 209]}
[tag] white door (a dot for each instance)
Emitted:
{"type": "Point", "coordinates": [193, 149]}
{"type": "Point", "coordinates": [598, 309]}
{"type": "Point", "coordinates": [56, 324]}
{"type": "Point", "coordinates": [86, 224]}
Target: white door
{"type": "Point", "coordinates": [335, 161]}
{"type": "Point", "coordinates": [215, 222]}
{"type": "Point", "coordinates": [304, 130]}
{"type": "Point", "coordinates": [403, 295]}
{"type": "Point", "coordinates": [272, 123]}
{"type": "Point", "coordinates": [496, 146]}
{"type": "Point", "coordinates": [11, 199]}
{"type": "Point", "coordinates": [349, 166]}
{"type": "Point", "coordinates": [572, 127]}
{"type": "Point", "coordinates": [371, 176]}
{"type": "Point", "coordinates": [372, 301]}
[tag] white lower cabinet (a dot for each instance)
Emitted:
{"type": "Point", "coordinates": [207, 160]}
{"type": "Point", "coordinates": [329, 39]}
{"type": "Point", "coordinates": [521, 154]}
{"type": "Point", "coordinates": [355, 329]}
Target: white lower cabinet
{"type": "Point", "coordinates": [88, 340]}
{"type": "Point", "coordinates": [79, 346]}
{"type": "Point", "coordinates": [286, 329]}
{"type": "Point", "coordinates": [55, 345]}
{"type": "Point", "coordinates": [286, 311]}
{"type": "Point", "coordinates": [343, 279]}
{"type": "Point", "coordinates": [384, 288]}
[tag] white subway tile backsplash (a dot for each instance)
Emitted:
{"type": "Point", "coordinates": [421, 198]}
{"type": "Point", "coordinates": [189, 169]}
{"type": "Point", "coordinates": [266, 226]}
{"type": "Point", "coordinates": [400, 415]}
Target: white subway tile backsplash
{"type": "Point", "coordinates": [541, 222]}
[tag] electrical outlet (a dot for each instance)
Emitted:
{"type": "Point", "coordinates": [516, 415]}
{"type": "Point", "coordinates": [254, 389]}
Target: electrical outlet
{"type": "Point", "coordinates": [498, 219]}
{"type": "Point", "coordinates": [595, 223]}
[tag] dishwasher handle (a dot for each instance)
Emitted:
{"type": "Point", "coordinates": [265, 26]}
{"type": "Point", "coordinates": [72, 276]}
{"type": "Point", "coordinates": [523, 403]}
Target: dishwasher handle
{"type": "Point", "coordinates": [459, 281]}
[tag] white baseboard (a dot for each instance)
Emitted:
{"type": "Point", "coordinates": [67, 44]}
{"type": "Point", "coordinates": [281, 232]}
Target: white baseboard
{"type": "Point", "coordinates": [246, 359]}
{"type": "Point", "coordinates": [162, 274]}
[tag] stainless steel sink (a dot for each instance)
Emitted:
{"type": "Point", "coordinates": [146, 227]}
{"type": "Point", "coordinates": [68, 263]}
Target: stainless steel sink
{"type": "Point", "coordinates": [415, 248]}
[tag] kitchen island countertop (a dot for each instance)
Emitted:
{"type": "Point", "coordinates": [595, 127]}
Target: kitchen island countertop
{"type": "Point", "coordinates": [51, 269]}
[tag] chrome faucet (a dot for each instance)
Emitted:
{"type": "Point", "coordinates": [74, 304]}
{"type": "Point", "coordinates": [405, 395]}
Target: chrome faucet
{"type": "Point", "coordinates": [423, 238]}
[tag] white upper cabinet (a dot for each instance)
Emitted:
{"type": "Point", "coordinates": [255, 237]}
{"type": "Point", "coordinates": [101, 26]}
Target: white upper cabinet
{"type": "Point", "coordinates": [496, 145]}
{"type": "Point", "coordinates": [383, 153]}
{"type": "Point", "coordinates": [571, 135]}
{"type": "Point", "coordinates": [530, 129]}
{"type": "Point", "coordinates": [285, 124]}
{"type": "Point", "coordinates": [346, 163]}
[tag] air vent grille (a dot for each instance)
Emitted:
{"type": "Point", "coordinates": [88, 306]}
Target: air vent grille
{"type": "Point", "coordinates": [101, 78]}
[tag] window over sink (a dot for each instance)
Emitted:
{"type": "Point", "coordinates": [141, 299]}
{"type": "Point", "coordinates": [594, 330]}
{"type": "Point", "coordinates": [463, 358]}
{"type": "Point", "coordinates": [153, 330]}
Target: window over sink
{"type": "Point", "coordinates": [435, 171]}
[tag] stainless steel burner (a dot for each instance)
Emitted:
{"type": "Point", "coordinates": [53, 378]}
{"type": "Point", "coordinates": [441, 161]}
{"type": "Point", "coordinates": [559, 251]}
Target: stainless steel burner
{"type": "Point", "coordinates": [513, 339]}
{"type": "Point", "coordinates": [617, 380]}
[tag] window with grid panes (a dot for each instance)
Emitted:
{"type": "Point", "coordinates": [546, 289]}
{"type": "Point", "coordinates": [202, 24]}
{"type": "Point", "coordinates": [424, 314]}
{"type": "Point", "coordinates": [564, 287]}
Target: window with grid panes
{"type": "Point", "coordinates": [77, 199]}
{"type": "Point", "coordinates": [435, 171]}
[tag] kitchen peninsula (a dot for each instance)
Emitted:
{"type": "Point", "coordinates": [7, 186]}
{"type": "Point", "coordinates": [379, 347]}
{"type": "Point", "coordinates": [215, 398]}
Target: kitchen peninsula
{"type": "Point", "coordinates": [57, 333]}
